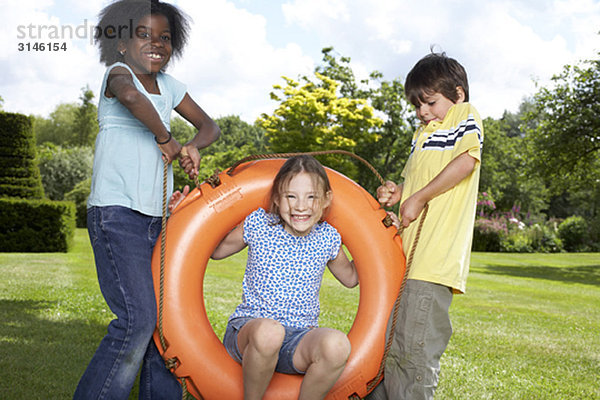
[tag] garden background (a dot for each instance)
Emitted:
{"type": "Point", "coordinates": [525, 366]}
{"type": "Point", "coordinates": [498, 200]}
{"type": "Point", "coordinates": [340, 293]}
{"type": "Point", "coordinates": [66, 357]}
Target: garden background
{"type": "Point", "coordinates": [528, 326]}
{"type": "Point", "coordinates": [540, 174]}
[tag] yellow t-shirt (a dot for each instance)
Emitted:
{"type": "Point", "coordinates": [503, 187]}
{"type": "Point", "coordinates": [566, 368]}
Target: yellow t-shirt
{"type": "Point", "coordinates": [443, 251]}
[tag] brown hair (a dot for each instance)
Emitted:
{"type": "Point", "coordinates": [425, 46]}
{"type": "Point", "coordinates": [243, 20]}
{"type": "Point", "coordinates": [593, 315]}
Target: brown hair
{"type": "Point", "coordinates": [435, 73]}
{"type": "Point", "coordinates": [292, 167]}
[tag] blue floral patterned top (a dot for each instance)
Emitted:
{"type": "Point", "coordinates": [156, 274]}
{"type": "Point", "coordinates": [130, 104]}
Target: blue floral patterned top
{"type": "Point", "coordinates": [284, 272]}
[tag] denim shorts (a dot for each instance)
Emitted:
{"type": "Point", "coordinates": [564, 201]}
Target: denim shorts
{"type": "Point", "coordinates": [285, 363]}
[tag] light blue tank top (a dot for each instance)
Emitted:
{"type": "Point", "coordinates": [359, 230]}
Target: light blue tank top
{"type": "Point", "coordinates": [128, 168]}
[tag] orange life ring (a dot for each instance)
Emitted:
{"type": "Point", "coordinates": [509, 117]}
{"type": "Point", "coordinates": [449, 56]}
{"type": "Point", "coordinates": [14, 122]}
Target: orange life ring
{"type": "Point", "coordinates": [205, 217]}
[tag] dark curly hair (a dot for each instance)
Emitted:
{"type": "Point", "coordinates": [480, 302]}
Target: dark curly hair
{"type": "Point", "coordinates": [435, 72]}
{"type": "Point", "coordinates": [118, 20]}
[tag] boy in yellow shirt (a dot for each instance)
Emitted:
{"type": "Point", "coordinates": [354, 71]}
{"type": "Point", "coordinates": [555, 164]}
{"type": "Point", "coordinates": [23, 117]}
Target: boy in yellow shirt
{"type": "Point", "coordinates": [442, 170]}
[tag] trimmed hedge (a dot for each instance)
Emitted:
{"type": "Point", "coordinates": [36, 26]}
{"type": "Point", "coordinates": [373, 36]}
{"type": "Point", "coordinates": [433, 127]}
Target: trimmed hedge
{"type": "Point", "coordinates": [19, 173]}
{"type": "Point", "coordinates": [36, 225]}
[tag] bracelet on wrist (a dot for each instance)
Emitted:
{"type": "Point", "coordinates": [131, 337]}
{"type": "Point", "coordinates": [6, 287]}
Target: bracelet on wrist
{"type": "Point", "coordinates": [165, 141]}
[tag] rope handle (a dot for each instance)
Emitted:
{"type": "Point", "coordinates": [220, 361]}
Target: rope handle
{"type": "Point", "coordinates": [371, 385]}
{"type": "Point", "coordinates": [310, 153]}
{"type": "Point", "coordinates": [171, 362]}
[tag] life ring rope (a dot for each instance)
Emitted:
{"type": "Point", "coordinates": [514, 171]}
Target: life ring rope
{"type": "Point", "coordinates": [310, 153]}
{"type": "Point", "coordinates": [171, 362]}
{"type": "Point", "coordinates": [214, 181]}
{"type": "Point", "coordinates": [371, 385]}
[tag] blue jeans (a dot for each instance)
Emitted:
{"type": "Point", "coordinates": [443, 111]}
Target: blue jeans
{"type": "Point", "coordinates": [123, 241]}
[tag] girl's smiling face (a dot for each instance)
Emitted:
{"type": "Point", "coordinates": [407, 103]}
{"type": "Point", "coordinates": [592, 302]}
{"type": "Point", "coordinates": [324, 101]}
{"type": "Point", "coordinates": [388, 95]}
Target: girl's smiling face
{"type": "Point", "coordinates": [149, 50]}
{"type": "Point", "coordinates": [301, 205]}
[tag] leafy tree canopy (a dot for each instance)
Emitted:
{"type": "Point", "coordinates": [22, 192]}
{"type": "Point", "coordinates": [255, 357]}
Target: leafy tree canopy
{"type": "Point", "coordinates": [504, 173]}
{"type": "Point", "coordinates": [333, 110]}
{"type": "Point", "coordinates": [238, 140]}
{"type": "Point", "coordinates": [63, 167]}
{"type": "Point", "coordinates": [58, 128]}
{"type": "Point", "coordinates": [565, 129]}
{"type": "Point", "coordinates": [70, 124]}
{"type": "Point", "coordinates": [85, 123]}
{"type": "Point", "coordinates": [312, 117]}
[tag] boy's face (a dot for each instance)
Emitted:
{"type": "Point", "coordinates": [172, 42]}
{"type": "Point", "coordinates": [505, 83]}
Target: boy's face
{"type": "Point", "coordinates": [436, 106]}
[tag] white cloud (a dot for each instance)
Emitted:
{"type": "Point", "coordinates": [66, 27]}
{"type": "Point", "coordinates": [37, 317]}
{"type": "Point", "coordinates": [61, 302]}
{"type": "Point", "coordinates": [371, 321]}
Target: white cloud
{"type": "Point", "coordinates": [231, 62]}
{"type": "Point", "coordinates": [308, 12]}
{"type": "Point", "coordinates": [582, 17]}
{"type": "Point", "coordinates": [229, 66]}
{"type": "Point", "coordinates": [36, 81]}
{"type": "Point", "coordinates": [505, 45]}
{"type": "Point", "coordinates": [507, 55]}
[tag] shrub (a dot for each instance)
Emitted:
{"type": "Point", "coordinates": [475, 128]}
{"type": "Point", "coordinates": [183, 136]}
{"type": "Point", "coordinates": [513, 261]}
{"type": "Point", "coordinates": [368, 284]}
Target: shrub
{"type": "Point", "coordinates": [19, 174]}
{"type": "Point", "coordinates": [595, 234]}
{"type": "Point", "coordinates": [516, 242]}
{"type": "Point", "coordinates": [485, 204]}
{"type": "Point", "coordinates": [79, 196]}
{"type": "Point", "coordinates": [27, 223]}
{"type": "Point", "coordinates": [544, 238]}
{"type": "Point", "coordinates": [488, 234]}
{"type": "Point", "coordinates": [36, 225]}
{"type": "Point", "coordinates": [573, 232]}
{"type": "Point", "coordinates": [507, 232]}
{"type": "Point", "coordinates": [63, 168]}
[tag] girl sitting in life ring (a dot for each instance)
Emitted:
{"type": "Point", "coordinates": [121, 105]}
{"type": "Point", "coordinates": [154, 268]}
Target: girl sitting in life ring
{"type": "Point", "coordinates": [275, 326]}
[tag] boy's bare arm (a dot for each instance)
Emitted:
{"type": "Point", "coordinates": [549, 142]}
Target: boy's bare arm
{"type": "Point", "coordinates": [457, 170]}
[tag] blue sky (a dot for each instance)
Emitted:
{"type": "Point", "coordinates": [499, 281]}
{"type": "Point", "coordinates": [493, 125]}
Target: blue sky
{"type": "Point", "coordinates": [240, 48]}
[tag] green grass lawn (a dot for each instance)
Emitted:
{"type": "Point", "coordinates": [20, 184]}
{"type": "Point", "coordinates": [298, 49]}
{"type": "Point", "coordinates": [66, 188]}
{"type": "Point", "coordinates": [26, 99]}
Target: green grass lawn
{"type": "Point", "coordinates": [528, 327]}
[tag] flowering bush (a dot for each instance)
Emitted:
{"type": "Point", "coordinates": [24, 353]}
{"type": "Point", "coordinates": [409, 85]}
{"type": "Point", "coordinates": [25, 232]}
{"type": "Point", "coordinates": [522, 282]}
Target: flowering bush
{"type": "Point", "coordinates": [485, 204]}
{"type": "Point", "coordinates": [512, 231]}
{"type": "Point", "coordinates": [489, 234]}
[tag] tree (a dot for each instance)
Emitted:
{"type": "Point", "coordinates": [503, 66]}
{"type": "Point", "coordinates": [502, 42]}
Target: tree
{"type": "Point", "coordinates": [19, 173]}
{"type": "Point", "coordinates": [566, 130]}
{"type": "Point", "coordinates": [62, 168]}
{"type": "Point", "coordinates": [58, 129]}
{"type": "Point", "coordinates": [238, 140]}
{"type": "Point", "coordinates": [312, 117]}
{"type": "Point", "coordinates": [85, 124]}
{"type": "Point", "coordinates": [340, 71]}
{"type": "Point", "coordinates": [564, 139]}
{"type": "Point", "coordinates": [239, 134]}
{"type": "Point", "coordinates": [389, 153]}
{"type": "Point", "coordinates": [504, 172]}
{"type": "Point", "coordinates": [70, 124]}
